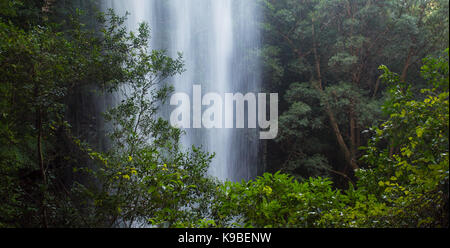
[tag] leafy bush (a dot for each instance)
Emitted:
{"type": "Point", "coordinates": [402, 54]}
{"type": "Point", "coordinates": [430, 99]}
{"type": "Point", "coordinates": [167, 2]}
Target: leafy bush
{"type": "Point", "coordinates": [405, 184]}
{"type": "Point", "coordinates": [276, 200]}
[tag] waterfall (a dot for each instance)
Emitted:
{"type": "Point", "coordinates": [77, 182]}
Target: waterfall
{"type": "Point", "coordinates": [218, 40]}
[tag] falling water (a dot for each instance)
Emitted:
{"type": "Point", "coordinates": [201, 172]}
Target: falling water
{"type": "Point", "coordinates": [218, 40]}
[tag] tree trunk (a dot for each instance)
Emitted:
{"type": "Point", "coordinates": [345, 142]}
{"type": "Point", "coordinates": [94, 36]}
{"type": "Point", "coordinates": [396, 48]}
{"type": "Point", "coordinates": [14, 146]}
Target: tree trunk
{"type": "Point", "coordinates": [353, 134]}
{"type": "Point", "coordinates": [41, 164]}
{"type": "Point", "coordinates": [40, 157]}
{"type": "Point", "coordinates": [333, 122]}
{"type": "Point", "coordinates": [407, 64]}
{"type": "Point", "coordinates": [377, 86]}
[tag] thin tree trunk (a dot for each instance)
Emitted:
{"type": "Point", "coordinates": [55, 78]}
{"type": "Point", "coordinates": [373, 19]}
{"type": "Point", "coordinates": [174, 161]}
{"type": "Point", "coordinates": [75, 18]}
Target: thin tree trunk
{"type": "Point", "coordinates": [377, 86]}
{"type": "Point", "coordinates": [333, 122]}
{"type": "Point", "coordinates": [39, 145]}
{"type": "Point", "coordinates": [40, 156]}
{"type": "Point", "coordinates": [353, 145]}
{"type": "Point", "coordinates": [41, 165]}
{"type": "Point", "coordinates": [358, 136]}
{"type": "Point", "coordinates": [407, 64]}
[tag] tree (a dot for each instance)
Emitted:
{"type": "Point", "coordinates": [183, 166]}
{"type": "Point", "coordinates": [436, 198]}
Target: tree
{"type": "Point", "coordinates": [407, 189]}
{"type": "Point", "coordinates": [145, 178]}
{"type": "Point", "coordinates": [50, 177]}
{"type": "Point", "coordinates": [414, 179]}
{"type": "Point", "coordinates": [324, 56]}
{"type": "Point", "coordinates": [37, 73]}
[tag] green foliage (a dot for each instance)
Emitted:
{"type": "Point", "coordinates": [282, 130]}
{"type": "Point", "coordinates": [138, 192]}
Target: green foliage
{"type": "Point", "coordinates": [407, 188]}
{"type": "Point", "coordinates": [37, 72]}
{"type": "Point", "coordinates": [276, 200]}
{"type": "Point", "coordinates": [302, 132]}
{"type": "Point", "coordinates": [145, 178]}
{"type": "Point", "coordinates": [51, 178]}
{"type": "Point", "coordinates": [414, 171]}
{"type": "Point", "coordinates": [334, 49]}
